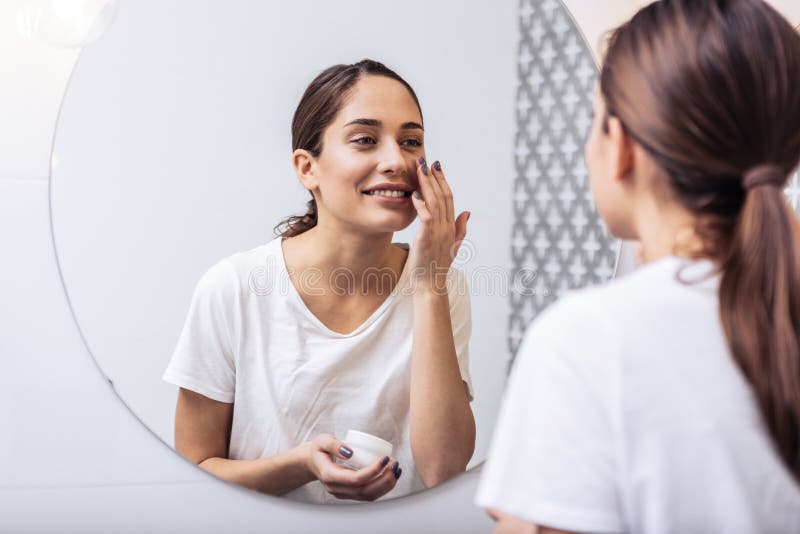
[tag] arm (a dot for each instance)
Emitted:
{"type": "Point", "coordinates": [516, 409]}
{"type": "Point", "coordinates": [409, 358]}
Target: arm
{"type": "Point", "coordinates": [202, 434]}
{"type": "Point", "coordinates": [442, 424]}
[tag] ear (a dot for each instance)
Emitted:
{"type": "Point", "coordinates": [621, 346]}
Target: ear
{"type": "Point", "coordinates": [305, 167]}
{"type": "Point", "coordinates": [622, 146]}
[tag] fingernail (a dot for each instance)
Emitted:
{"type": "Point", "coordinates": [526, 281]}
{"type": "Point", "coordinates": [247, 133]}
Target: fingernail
{"type": "Point", "coordinates": [417, 195]}
{"type": "Point", "coordinates": [469, 214]}
{"type": "Point", "coordinates": [384, 461]}
{"type": "Point", "coordinates": [398, 473]}
{"type": "Point", "coordinates": [346, 452]}
{"type": "Point", "coordinates": [437, 165]}
{"type": "Point", "coordinates": [424, 165]}
{"type": "Point", "coordinates": [396, 468]}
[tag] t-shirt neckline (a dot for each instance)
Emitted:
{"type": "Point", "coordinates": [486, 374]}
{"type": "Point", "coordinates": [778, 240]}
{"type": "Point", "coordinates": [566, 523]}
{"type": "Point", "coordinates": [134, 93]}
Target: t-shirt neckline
{"type": "Point", "coordinates": [295, 296]}
{"type": "Point", "coordinates": [698, 272]}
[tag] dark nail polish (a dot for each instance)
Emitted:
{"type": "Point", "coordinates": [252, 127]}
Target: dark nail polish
{"type": "Point", "coordinates": [437, 165]}
{"type": "Point", "coordinates": [395, 468]}
{"type": "Point", "coordinates": [398, 473]}
{"type": "Point", "coordinates": [469, 214]}
{"type": "Point", "coordinates": [384, 461]}
{"type": "Point", "coordinates": [424, 165]}
{"type": "Point", "coordinates": [417, 195]}
{"type": "Point", "coordinates": [346, 452]}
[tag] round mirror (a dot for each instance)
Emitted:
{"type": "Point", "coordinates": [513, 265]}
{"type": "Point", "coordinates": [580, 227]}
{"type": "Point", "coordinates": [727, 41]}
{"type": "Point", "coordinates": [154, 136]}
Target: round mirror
{"type": "Point", "coordinates": [173, 153]}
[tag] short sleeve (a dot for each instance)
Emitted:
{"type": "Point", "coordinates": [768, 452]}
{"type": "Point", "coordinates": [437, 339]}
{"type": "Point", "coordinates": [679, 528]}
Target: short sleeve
{"type": "Point", "coordinates": [204, 358]}
{"type": "Point", "coordinates": [553, 458]}
{"type": "Point", "coordinates": [461, 322]}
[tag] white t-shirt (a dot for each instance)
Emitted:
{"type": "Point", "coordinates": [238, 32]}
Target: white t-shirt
{"type": "Point", "coordinates": [250, 340]}
{"type": "Point", "coordinates": [626, 413]}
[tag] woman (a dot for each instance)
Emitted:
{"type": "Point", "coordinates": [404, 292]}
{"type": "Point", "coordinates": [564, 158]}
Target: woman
{"type": "Point", "coordinates": [669, 400]}
{"type": "Point", "coordinates": [331, 326]}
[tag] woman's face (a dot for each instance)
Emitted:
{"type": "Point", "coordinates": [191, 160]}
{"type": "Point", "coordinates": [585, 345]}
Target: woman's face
{"type": "Point", "coordinates": [374, 140]}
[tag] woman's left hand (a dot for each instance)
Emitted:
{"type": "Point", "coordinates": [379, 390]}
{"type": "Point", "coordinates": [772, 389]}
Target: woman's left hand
{"type": "Point", "coordinates": [440, 235]}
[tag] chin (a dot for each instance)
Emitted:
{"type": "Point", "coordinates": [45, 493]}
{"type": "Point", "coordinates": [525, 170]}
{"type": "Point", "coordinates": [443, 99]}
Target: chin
{"type": "Point", "coordinates": [391, 224]}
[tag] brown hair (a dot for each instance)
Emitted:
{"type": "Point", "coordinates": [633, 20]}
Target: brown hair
{"type": "Point", "coordinates": [321, 101]}
{"type": "Point", "coordinates": [709, 89]}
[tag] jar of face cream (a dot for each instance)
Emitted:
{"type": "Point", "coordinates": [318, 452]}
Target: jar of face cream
{"type": "Point", "coordinates": [367, 449]}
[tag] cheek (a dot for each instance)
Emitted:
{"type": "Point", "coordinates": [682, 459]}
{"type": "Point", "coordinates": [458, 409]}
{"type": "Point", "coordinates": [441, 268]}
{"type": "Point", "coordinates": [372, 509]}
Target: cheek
{"type": "Point", "coordinates": [343, 172]}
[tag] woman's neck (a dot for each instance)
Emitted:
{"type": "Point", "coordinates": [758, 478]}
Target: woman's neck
{"type": "Point", "coordinates": [665, 229]}
{"type": "Point", "coordinates": [328, 249]}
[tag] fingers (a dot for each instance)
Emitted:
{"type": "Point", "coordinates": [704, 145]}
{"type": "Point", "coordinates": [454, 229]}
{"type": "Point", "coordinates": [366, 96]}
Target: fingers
{"type": "Point", "coordinates": [437, 206]}
{"type": "Point", "coordinates": [444, 188]}
{"type": "Point", "coordinates": [429, 193]}
{"type": "Point", "coordinates": [461, 228]}
{"type": "Point", "coordinates": [422, 209]}
{"type": "Point", "coordinates": [328, 471]}
{"type": "Point", "coordinates": [364, 475]}
{"type": "Point", "coordinates": [367, 483]}
{"type": "Point", "coordinates": [383, 484]}
{"type": "Point", "coordinates": [441, 212]}
{"type": "Point", "coordinates": [336, 475]}
{"type": "Point", "coordinates": [375, 488]}
{"type": "Point", "coordinates": [333, 446]}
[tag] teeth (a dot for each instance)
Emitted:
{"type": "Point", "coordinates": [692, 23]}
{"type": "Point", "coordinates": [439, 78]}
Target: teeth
{"type": "Point", "coordinates": [387, 193]}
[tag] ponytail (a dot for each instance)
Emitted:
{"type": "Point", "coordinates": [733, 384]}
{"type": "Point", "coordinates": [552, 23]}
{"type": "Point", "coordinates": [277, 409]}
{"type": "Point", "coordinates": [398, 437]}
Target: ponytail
{"type": "Point", "coordinates": [714, 108]}
{"type": "Point", "coordinates": [297, 224]}
{"type": "Point", "coordinates": [759, 306]}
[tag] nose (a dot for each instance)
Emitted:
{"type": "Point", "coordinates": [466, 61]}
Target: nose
{"type": "Point", "coordinates": [392, 159]}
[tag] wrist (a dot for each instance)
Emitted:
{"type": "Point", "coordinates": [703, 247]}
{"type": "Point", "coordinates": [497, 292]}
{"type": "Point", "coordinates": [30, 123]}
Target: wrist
{"type": "Point", "coordinates": [302, 460]}
{"type": "Point", "coordinates": [430, 289]}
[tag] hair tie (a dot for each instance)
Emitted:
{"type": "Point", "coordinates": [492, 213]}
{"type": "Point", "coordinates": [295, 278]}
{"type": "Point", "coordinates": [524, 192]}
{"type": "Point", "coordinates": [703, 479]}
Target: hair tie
{"type": "Point", "coordinates": [765, 174]}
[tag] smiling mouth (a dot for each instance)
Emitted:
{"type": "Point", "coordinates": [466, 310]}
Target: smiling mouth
{"type": "Point", "coordinates": [388, 193]}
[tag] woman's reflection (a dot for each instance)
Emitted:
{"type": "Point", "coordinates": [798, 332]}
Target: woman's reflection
{"type": "Point", "coordinates": [331, 326]}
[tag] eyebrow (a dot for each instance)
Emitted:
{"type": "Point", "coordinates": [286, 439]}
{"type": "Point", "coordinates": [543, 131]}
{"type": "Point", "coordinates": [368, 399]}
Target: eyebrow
{"type": "Point", "coordinates": [377, 123]}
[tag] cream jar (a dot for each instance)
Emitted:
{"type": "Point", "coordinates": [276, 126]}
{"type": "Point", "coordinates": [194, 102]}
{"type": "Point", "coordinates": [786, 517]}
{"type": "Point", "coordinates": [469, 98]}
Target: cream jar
{"type": "Point", "coordinates": [367, 449]}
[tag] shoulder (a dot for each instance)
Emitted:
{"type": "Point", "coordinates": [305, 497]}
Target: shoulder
{"type": "Point", "coordinates": [578, 331]}
{"type": "Point", "coordinates": [598, 319]}
{"type": "Point", "coordinates": [578, 315]}
{"type": "Point", "coordinates": [243, 262]}
{"type": "Point", "coordinates": [635, 290]}
{"type": "Point", "coordinates": [232, 275]}
{"type": "Point", "coordinates": [218, 283]}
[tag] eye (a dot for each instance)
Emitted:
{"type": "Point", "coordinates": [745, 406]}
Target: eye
{"type": "Point", "coordinates": [413, 142]}
{"type": "Point", "coordinates": [364, 141]}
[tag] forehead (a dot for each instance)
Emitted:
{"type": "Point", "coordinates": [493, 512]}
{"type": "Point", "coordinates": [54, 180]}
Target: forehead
{"type": "Point", "coordinates": [381, 98]}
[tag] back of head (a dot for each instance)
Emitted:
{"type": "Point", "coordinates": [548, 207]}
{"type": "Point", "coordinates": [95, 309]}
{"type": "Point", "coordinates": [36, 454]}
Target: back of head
{"type": "Point", "coordinates": [710, 89]}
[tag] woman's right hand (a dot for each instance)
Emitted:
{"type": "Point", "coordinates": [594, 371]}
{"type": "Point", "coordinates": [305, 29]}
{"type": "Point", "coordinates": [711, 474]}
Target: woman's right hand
{"type": "Point", "coordinates": [366, 484]}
